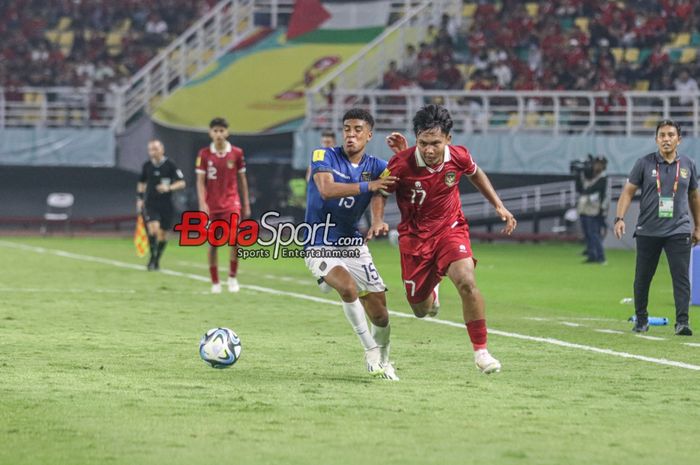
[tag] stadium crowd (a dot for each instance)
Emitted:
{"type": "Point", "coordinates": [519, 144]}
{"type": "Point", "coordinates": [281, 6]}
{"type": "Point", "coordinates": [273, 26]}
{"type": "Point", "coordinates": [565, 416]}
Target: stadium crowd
{"type": "Point", "coordinates": [558, 45]}
{"type": "Point", "coordinates": [95, 43]}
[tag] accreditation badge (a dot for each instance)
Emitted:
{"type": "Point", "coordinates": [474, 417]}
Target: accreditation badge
{"type": "Point", "coordinates": [665, 207]}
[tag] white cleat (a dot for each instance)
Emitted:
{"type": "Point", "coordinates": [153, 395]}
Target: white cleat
{"type": "Point", "coordinates": [216, 288]}
{"type": "Point", "coordinates": [485, 362]}
{"type": "Point", "coordinates": [373, 361]}
{"type": "Point", "coordinates": [233, 284]}
{"type": "Point", "coordinates": [390, 372]}
{"type": "Point", "coordinates": [435, 308]}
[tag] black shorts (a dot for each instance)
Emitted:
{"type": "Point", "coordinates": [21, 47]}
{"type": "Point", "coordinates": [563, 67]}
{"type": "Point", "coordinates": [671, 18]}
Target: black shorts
{"type": "Point", "coordinates": [161, 213]}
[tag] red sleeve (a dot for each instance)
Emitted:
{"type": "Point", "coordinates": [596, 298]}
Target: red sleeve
{"type": "Point", "coordinates": [240, 161]}
{"type": "Point", "coordinates": [464, 160]}
{"type": "Point", "coordinates": [200, 165]}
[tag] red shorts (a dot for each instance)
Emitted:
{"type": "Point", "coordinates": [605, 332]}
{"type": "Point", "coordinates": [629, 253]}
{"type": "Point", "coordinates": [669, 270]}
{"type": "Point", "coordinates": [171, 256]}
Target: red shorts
{"type": "Point", "coordinates": [421, 273]}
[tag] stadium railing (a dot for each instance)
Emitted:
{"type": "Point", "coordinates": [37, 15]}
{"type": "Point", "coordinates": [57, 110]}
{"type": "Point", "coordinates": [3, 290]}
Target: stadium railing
{"type": "Point", "coordinates": [542, 112]}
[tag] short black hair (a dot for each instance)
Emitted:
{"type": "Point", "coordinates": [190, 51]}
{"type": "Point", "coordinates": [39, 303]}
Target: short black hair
{"type": "Point", "coordinates": [668, 122]}
{"type": "Point", "coordinates": [218, 121]}
{"type": "Point", "coordinates": [328, 133]}
{"type": "Point", "coordinates": [359, 113]}
{"type": "Point", "coordinates": [430, 117]}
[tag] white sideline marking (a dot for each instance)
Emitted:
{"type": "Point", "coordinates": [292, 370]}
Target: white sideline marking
{"type": "Point", "coordinates": [545, 340]}
{"type": "Point", "coordinates": [651, 338]}
{"type": "Point", "coordinates": [609, 331]}
{"type": "Point", "coordinates": [568, 323]}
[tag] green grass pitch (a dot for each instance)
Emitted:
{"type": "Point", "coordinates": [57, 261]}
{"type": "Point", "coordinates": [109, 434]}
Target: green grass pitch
{"type": "Point", "coordinates": [99, 365]}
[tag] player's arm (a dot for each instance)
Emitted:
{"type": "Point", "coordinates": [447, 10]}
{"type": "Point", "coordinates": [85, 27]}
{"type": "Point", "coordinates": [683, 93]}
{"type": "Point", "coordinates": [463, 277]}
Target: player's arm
{"type": "Point", "coordinates": [329, 189]}
{"type": "Point", "coordinates": [623, 204]}
{"type": "Point", "coordinates": [202, 192]}
{"type": "Point", "coordinates": [483, 184]}
{"type": "Point", "coordinates": [243, 190]}
{"type": "Point", "coordinates": [378, 227]}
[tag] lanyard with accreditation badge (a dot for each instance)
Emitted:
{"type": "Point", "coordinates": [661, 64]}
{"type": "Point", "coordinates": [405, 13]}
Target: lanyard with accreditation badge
{"type": "Point", "coordinates": [666, 203]}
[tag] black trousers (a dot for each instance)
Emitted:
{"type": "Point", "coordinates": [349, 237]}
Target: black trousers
{"type": "Point", "coordinates": [677, 248]}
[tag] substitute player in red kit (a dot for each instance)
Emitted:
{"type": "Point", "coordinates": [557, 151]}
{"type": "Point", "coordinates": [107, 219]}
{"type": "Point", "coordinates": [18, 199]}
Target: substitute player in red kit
{"type": "Point", "coordinates": [220, 169]}
{"type": "Point", "coordinates": [433, 233]}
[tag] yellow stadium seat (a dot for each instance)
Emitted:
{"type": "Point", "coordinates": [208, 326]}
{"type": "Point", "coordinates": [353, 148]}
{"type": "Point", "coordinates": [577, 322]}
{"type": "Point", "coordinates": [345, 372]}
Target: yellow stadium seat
{"type": "Point", "coordinates": [582, 22]}
{"type": "Point", "coordinates": [468, 10]}
{"type": "Point", "coordinates": [513, 120]}
{"type": "Point", "coordinates": [689, 54]}
{"type": "Point", "coordinates": [632, 55]}
{"type": "Point", "coordinates": [532, 8]}
{"type": "Point", "coordinates": [642, 85]}
{"type": "Point", "coordinates": [617, 53]}
{"type": "Point", "coordinates": [682, 39]}
{"type": "Point", "coordinates": [64, 23]}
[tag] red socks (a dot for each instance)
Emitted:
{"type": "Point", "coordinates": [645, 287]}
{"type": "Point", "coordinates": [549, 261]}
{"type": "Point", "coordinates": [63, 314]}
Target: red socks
{"type": "Point", "coordinates": [477, 333]}
{"type": "Point", "coordinates": [214, 272]}
{"type": "Point", "coordinates": [234, 268]}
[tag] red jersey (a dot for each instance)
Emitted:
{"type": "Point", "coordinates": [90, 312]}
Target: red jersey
{"type": "Point", "coordinates": [221, 180]}
{"type": "Point", "coordinates": [428, 197]}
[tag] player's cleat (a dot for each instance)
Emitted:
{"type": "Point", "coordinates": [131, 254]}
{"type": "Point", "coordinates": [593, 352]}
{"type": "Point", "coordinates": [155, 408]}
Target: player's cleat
{"type": "Point", "coordinates": [373, 361]}
{"type": "Point", "coordinates": [485, 362]}
{"type": "Point", "coordinates": [216, 288]}
{"type": "Point", "coordinates": [683, 330]}
{"type": "Point", "coordinates": [233, 284]}
{"type": "Point", "coordinates": [435, 308]}
{"type": "Point", "coordinates": [390, 372]}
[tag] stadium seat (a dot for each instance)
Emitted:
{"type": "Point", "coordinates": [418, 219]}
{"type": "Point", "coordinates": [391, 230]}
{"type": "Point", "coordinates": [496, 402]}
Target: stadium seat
{"type": "Point", "coordinates": [642, 85]}
{"type": "Point", "coordinates": [632, 55]}
{"type": "Point", "coordinates": [468, 10]}
{"type": "Point", "coordinates": [582, 22]}
{"type": "Point", "coordinates": [682, 39]}
{"type": "Point", "coordinates": [689, 54]}
{"type": "Point", "coordinates": [59, 206]}
{"type": "Point", "coordinates": [532, 9]}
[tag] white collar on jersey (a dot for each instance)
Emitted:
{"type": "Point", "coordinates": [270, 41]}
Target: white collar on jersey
{"type": "Point", "coordinates": [227, 149]}
{"type": "Point", "coordinates": [421, 163]}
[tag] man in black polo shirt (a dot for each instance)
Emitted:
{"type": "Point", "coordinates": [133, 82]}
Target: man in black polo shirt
{"type": "Point", "coordinates": [159, 177]}
{"type": "Point", "coordinates": [669, 196]}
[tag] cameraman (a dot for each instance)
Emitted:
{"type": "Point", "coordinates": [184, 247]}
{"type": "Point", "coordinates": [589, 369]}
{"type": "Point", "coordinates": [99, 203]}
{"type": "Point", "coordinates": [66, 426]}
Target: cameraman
{"type": "Point", "coordinates": [592, 185]}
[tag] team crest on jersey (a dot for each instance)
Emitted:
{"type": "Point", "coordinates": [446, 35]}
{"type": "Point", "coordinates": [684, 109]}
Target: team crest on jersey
{"type": "Point", "coordinates": [450, 178]}
{"type": "Point", "coordinates": [684, 173]}
{"type": "Point", "coordinates": [366, 176]}
{"type": "Point", "coordinates": [229, 164]}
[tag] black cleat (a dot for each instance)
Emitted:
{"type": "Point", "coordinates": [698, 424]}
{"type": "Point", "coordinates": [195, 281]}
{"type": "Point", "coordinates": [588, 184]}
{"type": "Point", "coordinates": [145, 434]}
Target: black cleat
{"type": "Point", "coordinates": [683, 330]}
{"type": "Point", "coordinates": [640, 327]}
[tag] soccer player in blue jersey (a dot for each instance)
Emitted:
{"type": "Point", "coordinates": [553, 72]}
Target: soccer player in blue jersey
{"type": "Point", "coordinates": [343, 182]}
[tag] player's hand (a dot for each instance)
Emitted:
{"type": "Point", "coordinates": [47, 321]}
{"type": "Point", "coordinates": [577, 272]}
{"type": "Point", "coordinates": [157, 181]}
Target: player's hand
{"type": "Point", "coordinates": [619, 229]}
{"type": "Point", "coordinates": [376, 230]}
{"type": "Point", "coordinates": [396, 142]}
{"type": "Point", "coordinates": [508, 217]}
{"type": "Point", "coordinates": [162, 188]}
{"type": "Point", "coordinates": [245, 211]}
{"type": "Point", "coordinates": [382, 183]}
{"type": "Point", "coordinates": [139, 205]}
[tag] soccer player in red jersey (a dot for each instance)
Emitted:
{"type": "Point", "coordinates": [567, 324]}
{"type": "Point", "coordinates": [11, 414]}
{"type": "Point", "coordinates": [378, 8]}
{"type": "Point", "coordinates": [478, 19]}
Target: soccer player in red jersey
{"type": "Point", "coordinates": [433, 233]}
{"type": "Point", "coordinates": [220, 169]}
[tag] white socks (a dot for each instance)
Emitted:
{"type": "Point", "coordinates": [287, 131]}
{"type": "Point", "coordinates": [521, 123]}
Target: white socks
{"type": "Point", "coordinates": [355, 313]}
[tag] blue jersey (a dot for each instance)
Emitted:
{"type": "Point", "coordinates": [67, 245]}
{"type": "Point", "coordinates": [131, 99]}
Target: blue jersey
{"type": "Point", "coordinates": [344, 212]}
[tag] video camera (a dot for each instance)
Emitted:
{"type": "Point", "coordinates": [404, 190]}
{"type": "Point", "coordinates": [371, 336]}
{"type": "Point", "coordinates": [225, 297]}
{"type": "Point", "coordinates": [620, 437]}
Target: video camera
{"type": "Point", "coordinates": [585, 167]}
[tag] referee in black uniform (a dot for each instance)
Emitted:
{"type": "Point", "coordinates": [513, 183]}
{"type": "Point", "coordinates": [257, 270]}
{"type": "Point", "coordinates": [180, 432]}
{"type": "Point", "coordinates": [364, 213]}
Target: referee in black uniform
{"type": "Point", "coordinates": [669, 197]}
{"type": "Point", "coordinates": [159, 177]}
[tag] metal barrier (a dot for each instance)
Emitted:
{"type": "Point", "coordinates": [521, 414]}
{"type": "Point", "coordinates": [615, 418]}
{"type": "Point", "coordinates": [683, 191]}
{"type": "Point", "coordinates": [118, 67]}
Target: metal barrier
{"type": "Point", "coordinates": [543, 112]}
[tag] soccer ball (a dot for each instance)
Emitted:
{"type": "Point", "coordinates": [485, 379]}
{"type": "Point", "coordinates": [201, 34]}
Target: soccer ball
{"type": "Point", "coordinates": [220, 347]}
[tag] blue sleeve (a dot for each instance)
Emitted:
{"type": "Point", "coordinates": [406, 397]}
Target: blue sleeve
{"type": "Point", "coordinates": [321, 161]}
{"type": "Point", "coordinates": [379, 168]}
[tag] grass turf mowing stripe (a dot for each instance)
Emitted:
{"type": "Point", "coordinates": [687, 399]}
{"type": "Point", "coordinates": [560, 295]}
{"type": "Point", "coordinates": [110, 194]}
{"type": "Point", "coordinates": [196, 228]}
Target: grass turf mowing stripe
{"type": "Point", "coordinates": [557, 342]}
